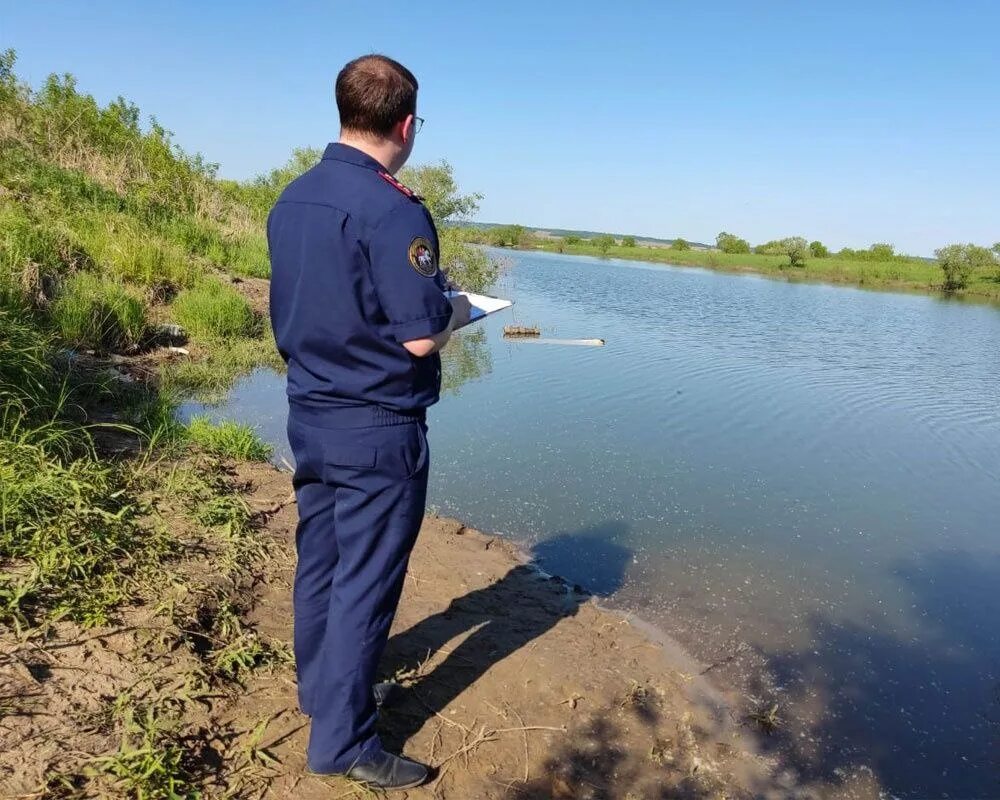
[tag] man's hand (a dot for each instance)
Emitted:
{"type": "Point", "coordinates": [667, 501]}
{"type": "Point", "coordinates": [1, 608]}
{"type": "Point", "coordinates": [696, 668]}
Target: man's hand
{"type": "Point", "coordinates": [461, 311]}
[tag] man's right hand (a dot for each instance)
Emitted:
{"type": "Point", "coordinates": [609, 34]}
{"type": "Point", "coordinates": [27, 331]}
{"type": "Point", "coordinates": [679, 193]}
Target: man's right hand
{"type": "Point", "coordinates": [461, 311]}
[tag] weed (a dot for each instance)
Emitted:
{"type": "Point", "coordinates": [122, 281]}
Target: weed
{"type": "Point", "coordinates": [149, 764]}
{"type": "Point", "coordinates": [229, 439]}
{"type": "Point", "coordinates": [212, 310]}
{"type": "Point", "coordinates": [98, 313]}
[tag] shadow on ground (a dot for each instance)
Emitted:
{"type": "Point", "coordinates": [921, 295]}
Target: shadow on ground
{"type": "Point", "coordinates": [499, 619]}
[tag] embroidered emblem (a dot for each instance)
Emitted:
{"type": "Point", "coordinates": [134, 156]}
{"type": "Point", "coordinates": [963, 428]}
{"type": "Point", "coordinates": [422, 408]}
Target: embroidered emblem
{"type": "Point", "coordinates": [422, 257]}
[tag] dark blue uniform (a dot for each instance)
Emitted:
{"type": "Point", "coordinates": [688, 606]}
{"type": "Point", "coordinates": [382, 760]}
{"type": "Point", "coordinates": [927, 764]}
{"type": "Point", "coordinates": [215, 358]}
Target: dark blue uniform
{"type": "Point", "coordinates": [353, 276]}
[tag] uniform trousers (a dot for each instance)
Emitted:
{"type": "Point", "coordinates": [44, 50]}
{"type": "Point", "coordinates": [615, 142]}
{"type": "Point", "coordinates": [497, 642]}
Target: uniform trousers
{"type": "Point", "coordinates": [361, 487]}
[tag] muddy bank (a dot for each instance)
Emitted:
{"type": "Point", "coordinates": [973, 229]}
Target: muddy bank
{"type": "Point", "coordinates": [517, 685]}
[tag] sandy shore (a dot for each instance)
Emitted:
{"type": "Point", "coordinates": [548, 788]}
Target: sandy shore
{"type": "Point", "coordinates": [516, 685]}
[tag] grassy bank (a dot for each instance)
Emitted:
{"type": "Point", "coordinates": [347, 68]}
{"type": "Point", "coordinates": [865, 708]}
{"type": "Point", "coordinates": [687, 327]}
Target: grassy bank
{"type": "Point", "coordinates": [116, 248]}
{"type": "Point", "coordinates": [895, 273]}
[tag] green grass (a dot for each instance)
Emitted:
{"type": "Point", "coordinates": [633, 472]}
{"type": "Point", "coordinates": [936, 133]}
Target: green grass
{"type": "Point", "coordinates": [229, 439]}
{"type": "Point", "coordinates": [907, 274]}
{"type": "Point", "coordinates": [99, 313]}
{"type": "Point", "coordinates": [121, 246]}
{"type": "Point", "coordinates": [211, 310]}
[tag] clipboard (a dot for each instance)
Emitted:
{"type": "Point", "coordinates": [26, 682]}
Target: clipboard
{"type": "Point", "coordinates": [482, 305]}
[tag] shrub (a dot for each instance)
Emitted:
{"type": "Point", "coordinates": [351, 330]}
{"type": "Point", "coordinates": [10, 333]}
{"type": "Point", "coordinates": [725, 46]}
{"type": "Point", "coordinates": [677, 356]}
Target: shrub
{"type": "Point", "coordinates": [960, 261]}
{"type": "Point", "coordinates": [796, 249]}
{"type": "Point", "coordinates": [680, 244]}
{"type": "Point", "coordinates": [506, 235]}
{"type": "Point", "coordinates": [229, 439]}
{"type": "Point", "coordinates": [572, 239]}
{"type": "Point", "coordinates": [92, 311]}
{"type": "Point", "coordinates": [215, 311]}
{"type": "Point", "coordinates": [628, 241]}
{"type": "Point", "coordinates": [729, 243]}
{"type": "Point", "coordinates": [818, 250]}
{"type": "Point", "coordinates": [604, 243]}
{"type": "Point", "coordinates": [881, 251]}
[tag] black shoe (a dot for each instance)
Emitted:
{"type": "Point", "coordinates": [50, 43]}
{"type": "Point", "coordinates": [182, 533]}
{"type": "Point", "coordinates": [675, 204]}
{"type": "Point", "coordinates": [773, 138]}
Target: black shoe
{"type": "Point", "coordinates": [387, 771]}
{"type": "Point", "coordinates": [386, 694]}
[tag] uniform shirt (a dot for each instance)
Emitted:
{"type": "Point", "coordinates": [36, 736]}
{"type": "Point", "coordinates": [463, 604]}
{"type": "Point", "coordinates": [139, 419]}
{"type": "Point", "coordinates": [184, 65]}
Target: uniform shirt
{"type": "Point", "coordinates": [354, 274]}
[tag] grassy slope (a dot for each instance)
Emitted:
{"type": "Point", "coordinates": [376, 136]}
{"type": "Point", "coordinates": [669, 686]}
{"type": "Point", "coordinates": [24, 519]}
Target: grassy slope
{"type": "Point", "coordinates": [106, 502]}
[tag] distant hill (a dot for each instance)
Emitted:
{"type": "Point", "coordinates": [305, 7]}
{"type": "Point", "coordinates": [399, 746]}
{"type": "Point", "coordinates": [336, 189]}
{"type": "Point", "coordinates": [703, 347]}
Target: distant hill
{"type": "Point", "coordinates": [562, 232]}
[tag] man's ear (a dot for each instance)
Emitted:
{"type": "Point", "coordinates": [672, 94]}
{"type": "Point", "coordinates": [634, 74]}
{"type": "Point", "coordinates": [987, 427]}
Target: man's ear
{"type": "Point", "coordinates": [406, 128]}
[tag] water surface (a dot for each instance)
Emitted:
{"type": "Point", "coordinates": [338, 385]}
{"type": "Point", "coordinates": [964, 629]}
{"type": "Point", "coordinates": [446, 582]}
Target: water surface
{"type": "Point", "coordinates": [806, 477]}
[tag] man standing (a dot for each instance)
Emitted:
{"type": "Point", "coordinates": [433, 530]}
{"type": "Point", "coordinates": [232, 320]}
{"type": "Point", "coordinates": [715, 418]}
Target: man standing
{"type": "Point", "coordinates": [359, 315]}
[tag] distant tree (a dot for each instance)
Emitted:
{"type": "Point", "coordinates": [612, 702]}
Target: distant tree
{"type": "Point", "coordinates": [775, 247]}
{"type": "Point", "coordinates": [818, 250]}
{"type": "Point", "coordinates": [604, 243]}
{"type": "Point", "coordinates": [881, 251]}
{"type": "Point", "coordinates": [572, 239]}
{"type": "Point", "coordinates": [730, 243]}
{"type": "Point", "coordinates": [506, 235]}
{"type": "Point", "coordinates": [628, 241]}
{"type": "Point", "coordinates": [435, 183]}
{"type": "Point", "coordinates": [996, 248]}
{"type": "Point", "coordinates": [679, 244]}
{"type": "Point", "coordinates": [277, 179]}
{"type": "Point", "coordinates": [796, 248]}
{"type": "Point", "coordinates": [960, 262]}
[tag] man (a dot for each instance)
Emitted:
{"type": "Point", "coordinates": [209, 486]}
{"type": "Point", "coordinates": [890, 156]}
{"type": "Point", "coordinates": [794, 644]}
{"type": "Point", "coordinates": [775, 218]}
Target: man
{"type": "Point", "coordinates": [359, 315]}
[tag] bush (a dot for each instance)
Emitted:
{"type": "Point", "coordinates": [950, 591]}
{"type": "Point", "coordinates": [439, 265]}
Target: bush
{"type": "Point", "coordinates": [506, 235]}
{"type": "Point", "coordinates": [92, 311]}
{"type": "Point", "coordinates": [796, 249]}
{"type": "Point", "coordinates": [881, 251]}
{"type": "Point", "coordinates": [215, 311]}
{"type": "Point", "coordinates": [960, 261]}
{"type": "Point", "coordinates": [604, 243]}
{"type": "Point", "coordinates": [230, 439]}
{"type": "Point", "coordinates": [466, 265]}
{"type": "Point", "coordinates": [818, 250]}
{"type": "Point", "coordinates": [628, 241]}
{"type": "Point", "coordinates": [728, 243]}
{"type": "Point", "coordinates": [571, 239]}
{"type": "Point", "coordinates": [680, 244]}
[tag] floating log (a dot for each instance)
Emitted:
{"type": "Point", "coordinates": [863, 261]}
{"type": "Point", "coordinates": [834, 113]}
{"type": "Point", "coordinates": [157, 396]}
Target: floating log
{"type": "Point", "coordinates": [521, 330]}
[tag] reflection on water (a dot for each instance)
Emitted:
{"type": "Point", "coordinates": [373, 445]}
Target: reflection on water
{"type": "Point", "coordinates": [466, 358]}
{"type": "Point", "coordinates": [803, 475]}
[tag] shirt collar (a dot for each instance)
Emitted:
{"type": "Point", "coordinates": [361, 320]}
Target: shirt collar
{"type": "Point", "coordinates": [337, 151]}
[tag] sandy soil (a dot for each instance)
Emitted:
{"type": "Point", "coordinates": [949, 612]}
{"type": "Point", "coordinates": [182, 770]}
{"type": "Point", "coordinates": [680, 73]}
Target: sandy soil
{"type": "Point", "coordinates": [516, 685]}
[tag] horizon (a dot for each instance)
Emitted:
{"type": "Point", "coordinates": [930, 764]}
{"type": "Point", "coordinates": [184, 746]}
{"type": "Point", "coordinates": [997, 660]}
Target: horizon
{"type": "Point", "coordinates": [845, 123]}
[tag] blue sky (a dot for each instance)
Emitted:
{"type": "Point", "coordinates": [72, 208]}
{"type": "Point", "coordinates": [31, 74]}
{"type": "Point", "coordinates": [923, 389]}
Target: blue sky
{"type": "Point", "coordinates": [851, 122]}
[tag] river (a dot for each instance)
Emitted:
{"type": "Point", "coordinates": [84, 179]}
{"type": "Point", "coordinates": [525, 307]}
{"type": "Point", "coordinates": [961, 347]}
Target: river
{"type": "Point", "coordinates": [801, 482]}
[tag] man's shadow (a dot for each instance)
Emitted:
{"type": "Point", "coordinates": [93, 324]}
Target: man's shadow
{"type": "Point", "coordinates": [503, 617]}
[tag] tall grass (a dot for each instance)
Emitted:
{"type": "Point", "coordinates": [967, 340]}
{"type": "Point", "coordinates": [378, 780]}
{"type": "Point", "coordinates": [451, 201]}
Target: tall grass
{"type": "Point", "coordinates": [229, 439]}
{"type": "Point", "coordinates": [213, 310]}
{"type": "Point", "coordinates": [99, 313]}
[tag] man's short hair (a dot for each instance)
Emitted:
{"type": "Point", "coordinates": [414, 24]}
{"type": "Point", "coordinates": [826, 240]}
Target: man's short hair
{"type": "Point", "coordinates": [374, 93]}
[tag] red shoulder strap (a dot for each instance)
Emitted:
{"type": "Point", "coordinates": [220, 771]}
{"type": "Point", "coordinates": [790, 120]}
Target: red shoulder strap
{"type": "Point", "coordinates": [399, 186]}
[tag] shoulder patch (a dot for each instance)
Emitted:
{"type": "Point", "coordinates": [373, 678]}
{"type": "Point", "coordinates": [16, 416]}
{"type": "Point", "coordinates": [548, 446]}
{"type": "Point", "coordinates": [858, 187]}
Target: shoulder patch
{"type": "Point", "coordinates": [402, 188]}
{"type": "Point", "coordinates": [422, 257]}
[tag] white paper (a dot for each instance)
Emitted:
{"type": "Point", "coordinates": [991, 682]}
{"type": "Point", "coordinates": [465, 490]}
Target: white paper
{"type": "Point", "coordinates": [482, 304]}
